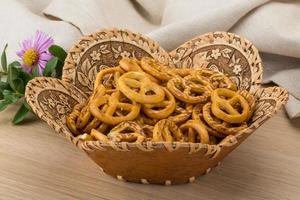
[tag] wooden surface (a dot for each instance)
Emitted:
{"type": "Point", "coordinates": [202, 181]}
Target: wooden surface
{"type": "Point", "coordinates": [37, 164]}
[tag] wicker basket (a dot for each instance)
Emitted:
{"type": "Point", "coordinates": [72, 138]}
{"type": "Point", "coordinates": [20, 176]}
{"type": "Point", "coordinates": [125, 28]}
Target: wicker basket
{"type": "Point", "coordinates": [160, 163]}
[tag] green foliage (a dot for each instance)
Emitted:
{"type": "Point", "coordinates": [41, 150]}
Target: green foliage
{"type": "Point", "coordinates": [4, 60]}
{"type": "Point", "coordinates": [12, 90]}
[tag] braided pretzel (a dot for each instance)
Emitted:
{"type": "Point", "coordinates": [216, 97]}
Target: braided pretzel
{"type": "Point", "coordinates": [114, 103]}
{"type": "Point", "coordinates": [198, 116]}
{"type": "Point", "coordinates": [190, 89]}
{"type": "Point", "coordinates": [162, 109]}
{"type": "Point", "coordinates": [108, 77]}
{"type": "Point", "coordinates": [85, 119]}
{"type": "Point", "coordinates": [199, 128]}
{"type": "Point", "coordinates": [72, 118]}
{"type": "Point", "coordinates": [220, 105]}
{"type": "Point", "coordinates": [128, 131]}
{"type": "Point", "coordinates": [181, 113]}
{"type": "Point", "coordinates": [128, 64]}
{"type": "Point", "coordinates": [217, 79]}
{"type": "Point", "coordinates": [156, 69]}
{"type": "Point", "coordinates": [130, 82]}
{"type": "Point", "coordinates": [167, 130]}
{"type": "Point", "coordinates": [98, 135]}
{"type": "Point", "coordinates": [142, 119]}
{"type": "Point", "coordinates": [219, 125]}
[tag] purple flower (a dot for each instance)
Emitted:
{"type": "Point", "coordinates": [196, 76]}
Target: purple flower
{"type": "Point", "coordinates": [34, 52]}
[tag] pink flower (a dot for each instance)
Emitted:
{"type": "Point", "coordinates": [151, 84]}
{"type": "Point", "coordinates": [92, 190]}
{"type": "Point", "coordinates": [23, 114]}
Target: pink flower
{"type": "Point", "coordinates": [34, 52]}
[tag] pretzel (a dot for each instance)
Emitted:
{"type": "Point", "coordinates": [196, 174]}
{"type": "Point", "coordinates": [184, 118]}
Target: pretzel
{"type": "Point", "coordinates": [197, 115]}
{"type": "Point", "coordinates": [72, 118]}
{"type": "Point", "coordinates": [98, 135]}
{"type": "Point", "coordinates": [85, 137]}
{"type": "Point", "coordinates": [142, 119]}
{"type": "Point", "coordinates": [111, 104]}
{"type": "Point", "coordinates": [220, 105]}
{"type": "Point", "coordinates": [127, 132]}
{"type": "Point", "coordinates": [156, 69]}
{"type": "Point", "coordinates": [128, 64]}
{"type": "Point", "coordinates": [167, 130]}
{"type": "Point", "coordinates": [162, 109]}
{"type": "Point", "coordinates": [199, 128]}
{"type": "Point", "coordinates": [136, 86]}
{"type": "Point", "coordinates": [190, 89]}
{"type": "Point", "coordinates": [148, 131]}
{"type": "Point", "coordinates": [85, 120]}
{"type": "Point", "coordinates": [219, 125]}
{"type": "Point", "coordinates": [107, 77]}
{"type": "Point", "coordinates": [181, 113]}
{"type": "Point", "coordinates": [217, 79]}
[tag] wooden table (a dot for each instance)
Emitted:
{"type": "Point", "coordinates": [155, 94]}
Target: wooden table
{"type": "Point", "coordinates": [37, 164]}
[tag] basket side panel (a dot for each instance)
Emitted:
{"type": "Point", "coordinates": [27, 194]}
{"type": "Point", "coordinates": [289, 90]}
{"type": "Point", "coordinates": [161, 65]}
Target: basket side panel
{"type": "Point", "coordinates": [224, 52]}
{"type": "Point", "coordinates": [103, 49]}
{"type": "Point", "coordinates": [159, 165]}
{"type": "Point", "coordinates": [52, 100]}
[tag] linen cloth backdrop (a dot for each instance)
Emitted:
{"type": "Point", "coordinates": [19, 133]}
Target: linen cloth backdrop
{"type": "Point", "coordinates": [273, 27]}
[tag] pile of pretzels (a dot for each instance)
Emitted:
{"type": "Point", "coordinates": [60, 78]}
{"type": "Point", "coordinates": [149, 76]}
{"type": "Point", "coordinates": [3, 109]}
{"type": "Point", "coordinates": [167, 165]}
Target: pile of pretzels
{"type": "Point", "coordinates": [144, 100]}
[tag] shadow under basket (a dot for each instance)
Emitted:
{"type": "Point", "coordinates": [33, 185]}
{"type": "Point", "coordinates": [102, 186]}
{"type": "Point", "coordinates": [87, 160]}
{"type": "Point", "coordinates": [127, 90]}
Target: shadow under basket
{"type": "Point", "coordinates": [159, 163]}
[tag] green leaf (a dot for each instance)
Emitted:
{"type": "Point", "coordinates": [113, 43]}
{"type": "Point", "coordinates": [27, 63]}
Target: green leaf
{"type": "Point", "coordinates": [15, 64]}
{"type": "Point", "coordinates": [21, 114]}
{"type": "Point", "coordinates": [3, 59]}
{"type": "Point", "coordinates": [13, 74]}
{"type": "Point", "coordinates": [3, 86]}
{"type": "Point", "coordinates": [50, 66]}
{"type": "Point", "coordinates": [35, 72]}
{"type": "Point", "coordinates": [19, 85]}
{"type": "Point", "coordinates": [26, 105]}
{"type": "Point", "coordinates": [58, 52]}
{"type": "Point", "coordinates": [11, 96]}
{"type": "Point", "coordinates": [26, 77]}
{"type": "Point", "coordinates": [58, 70]}
{"type": "Point", "coordinates": [4, 104]}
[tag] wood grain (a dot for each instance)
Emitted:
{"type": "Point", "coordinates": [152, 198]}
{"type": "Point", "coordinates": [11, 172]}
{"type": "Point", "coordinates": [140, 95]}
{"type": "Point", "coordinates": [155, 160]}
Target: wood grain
{"type": "Point", "coordinates": [37, 164]}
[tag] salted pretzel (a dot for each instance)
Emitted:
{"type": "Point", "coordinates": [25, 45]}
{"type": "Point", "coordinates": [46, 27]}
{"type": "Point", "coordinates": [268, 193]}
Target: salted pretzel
{"type": "Point", "coordinates": [105, 108]}
{"type": "Point", "coordinates": [220, 125]}
{"type": "Point", "coordinates": [156, 69]}
{"type": "Point", "coordinates": [224, 102]}
{"type": "Point", "coordinates": [217, 79]}
{"type": "Point", "coordinates": [86, 120]}
{"type": "Point", "coordinates": [139, 88]}
{"type": "Point", "coordinates": [162, 109]}
{"type": "Point", "coordinates": [98, 135]}
{"type": "Point", "coordinates": [197, 115]}
{"type": "Point", "coordinates": [190, 89]}
{"type": "Point", "coordinates": [108, 77]}
{"type": "Point", "coordinates": [85, 137]}
{"type": "Point", "coordinates": [128, 64]}
{"type": "Point", "coordinates": [143, 119]}
{"type": "Point", "coordinates": [181, 113]}
{"type": "Point", "coordinates": [167, 130]}
{"type": "Point", "coordinates": [128, 131]}
{"type": "Point", "coordinates": [198, 128]}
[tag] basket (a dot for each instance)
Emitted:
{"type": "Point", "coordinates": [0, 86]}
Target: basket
{"type": "Point", "coordinates": [158, 163]}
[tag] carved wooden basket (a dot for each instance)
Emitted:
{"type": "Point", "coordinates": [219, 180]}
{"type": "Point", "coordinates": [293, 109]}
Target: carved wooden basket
{"type": "Point", "coordinates": [160, 163]}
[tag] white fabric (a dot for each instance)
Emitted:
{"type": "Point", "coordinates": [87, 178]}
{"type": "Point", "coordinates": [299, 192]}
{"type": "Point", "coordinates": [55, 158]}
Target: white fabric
{"type": "Point", "coordinates": [273, 26]}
